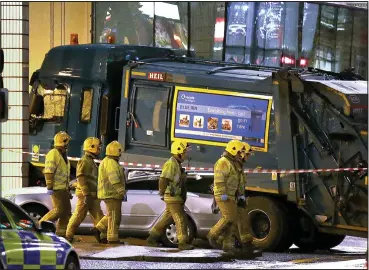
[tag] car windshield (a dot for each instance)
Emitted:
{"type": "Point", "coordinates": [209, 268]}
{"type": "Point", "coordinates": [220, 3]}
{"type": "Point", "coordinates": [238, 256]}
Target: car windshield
{"type": "Point", "coordinates": [4, 221]}
{"type": "Point", "coordinates": [21, 220]}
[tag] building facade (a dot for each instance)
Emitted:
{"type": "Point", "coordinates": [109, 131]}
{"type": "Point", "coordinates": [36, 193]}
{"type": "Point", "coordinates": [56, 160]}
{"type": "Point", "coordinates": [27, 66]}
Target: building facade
{"type": "Point", "coordinates": [326, 36]}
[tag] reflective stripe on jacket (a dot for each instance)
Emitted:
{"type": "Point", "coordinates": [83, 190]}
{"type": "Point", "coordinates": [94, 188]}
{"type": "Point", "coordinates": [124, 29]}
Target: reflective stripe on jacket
{"type": "Point", "coordinates": [56, 165]}
{"type": "Point", "coordinates": [111, 180]}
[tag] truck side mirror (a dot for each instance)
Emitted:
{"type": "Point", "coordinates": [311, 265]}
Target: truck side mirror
{"type": "Point", "coordinates": [3, 104]}
{"type": "Point", "coordinates": [36, 105]}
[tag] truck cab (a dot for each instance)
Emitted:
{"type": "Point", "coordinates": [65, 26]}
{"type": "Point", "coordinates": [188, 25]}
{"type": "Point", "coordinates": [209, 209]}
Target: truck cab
{"type": "Point", "coordinates": [78, 90]}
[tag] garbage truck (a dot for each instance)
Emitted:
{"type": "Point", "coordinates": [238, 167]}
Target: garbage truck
{"type": "Point", "coordinates": [301, 124]}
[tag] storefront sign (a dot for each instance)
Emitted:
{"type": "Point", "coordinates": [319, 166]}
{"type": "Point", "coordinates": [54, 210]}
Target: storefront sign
{"type": "Point", "coordinates": [215, 117]}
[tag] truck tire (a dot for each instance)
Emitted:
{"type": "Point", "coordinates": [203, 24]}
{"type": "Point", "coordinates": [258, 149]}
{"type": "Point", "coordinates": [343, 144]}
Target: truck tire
{"type": "Point", "coordinates": [328, 241]}
{"type": "Point", "coordinates": [268, 223]}
{"type": "Point", "coordinates": [289, 229]}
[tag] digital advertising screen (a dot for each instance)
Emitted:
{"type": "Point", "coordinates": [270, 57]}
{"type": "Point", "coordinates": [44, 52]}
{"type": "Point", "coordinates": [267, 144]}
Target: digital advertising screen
{"type": "Point", "coordinates": [214, 117]}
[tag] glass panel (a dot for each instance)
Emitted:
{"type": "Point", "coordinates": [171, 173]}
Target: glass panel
{"type": "Point", "coordinates": [86, 107]}
{"type": "Point", "coordinates": [359, 57]}
{"type": "Point", "coordinates": [129, 22]}
{"type": "Point", "coordinates": [207, 29]}
{"type": "Point", "coordinates": [54, 103]}
{"type": "Point", "coordinates": [343, 39]}
{"type": "Point", "coordinates": [327, 39]}
{"type": "Point", "coordinates": [104, 115]}
{"type": "Point", "coordinates": [309, 32]}
{"type": "Point", "coordinates": [21, 220]}
{"type": "Point", "coordinates": [171, 25]}
{"type": "Point", "coordinates": [151, 112]}
{"type": "Point", "coordinates": [240, 31]}
{"type": "Point", "coordinates": [291, 21]}
{"type": "Point", "coordinates": [4, 221]}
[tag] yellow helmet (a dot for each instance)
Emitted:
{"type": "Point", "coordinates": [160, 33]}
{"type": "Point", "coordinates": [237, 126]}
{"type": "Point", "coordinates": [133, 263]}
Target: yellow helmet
{"type": "Point", "coordinates": [92, 145]}
{"type": "Point", "coordinates": [179, 146]}
{"type": "Point", "coordinates": [247, 149]}
{"type": "Point", "coordinates": [114, 149]}
{"type": "Point", "coordinates": [61, 139]}
{"type": "Point", "coordinates": [234, 146]}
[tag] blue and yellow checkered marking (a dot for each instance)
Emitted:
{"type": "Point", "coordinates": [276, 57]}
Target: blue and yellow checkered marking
{"type": "Point", "coordinates": [29, 250]}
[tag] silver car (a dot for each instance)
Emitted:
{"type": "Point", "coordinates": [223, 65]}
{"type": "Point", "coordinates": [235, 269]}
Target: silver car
{"type": "Point", "coordinates": [143, 208]}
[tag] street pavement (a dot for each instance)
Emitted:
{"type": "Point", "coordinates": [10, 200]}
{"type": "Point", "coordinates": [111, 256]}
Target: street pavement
{"type": "Point", "coordinates": [349, 255]}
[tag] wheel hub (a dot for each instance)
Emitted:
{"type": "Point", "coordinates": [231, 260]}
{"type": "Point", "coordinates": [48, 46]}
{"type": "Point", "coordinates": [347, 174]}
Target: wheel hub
{"type": "Point", "coordinates": [260, 224]}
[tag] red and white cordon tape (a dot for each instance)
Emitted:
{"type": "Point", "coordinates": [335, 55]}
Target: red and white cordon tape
{"type": "Point", "coordinates": [150, 166]}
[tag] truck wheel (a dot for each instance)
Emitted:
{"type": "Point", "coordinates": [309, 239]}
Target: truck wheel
{"type": "Point", "coordinates": [289, 229]}
{"type": "Point", "coordinates": [328, 241]}
{"type": "Point", "coordinates": [307, 234]}
{"type": "Point", "coordinates": [267, 222]}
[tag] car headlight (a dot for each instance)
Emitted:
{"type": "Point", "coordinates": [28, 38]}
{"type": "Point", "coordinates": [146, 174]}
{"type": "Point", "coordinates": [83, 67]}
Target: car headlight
{"type": "Point", "coordinates": [10, 197]}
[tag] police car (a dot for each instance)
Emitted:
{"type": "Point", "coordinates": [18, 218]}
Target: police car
{"type": "Point", "coordinates": [24, 245]}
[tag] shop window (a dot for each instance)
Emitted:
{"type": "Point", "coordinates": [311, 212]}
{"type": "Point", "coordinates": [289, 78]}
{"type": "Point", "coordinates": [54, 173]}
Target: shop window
{"type": "Point", "coordinates": [327, 38]}
{"type": "Point", "coordinates": [86, 105]}
{"type": "Point", "coordinates": [290, 36]}
{"type": "Point", "coordinates": [129, 22]}
{"type": "Point", "coordinates": [207, 29]}
{"type": "Point", "coordinates": [310, 34]}
{"type": "Point", "coordinates": [171, 25]}
{"type": "Point", "coordinates": [240, 32]}
{"type": "Point", "coordinates": [359, 55]}
{"type": "Point", "coordinates": [343, 39]}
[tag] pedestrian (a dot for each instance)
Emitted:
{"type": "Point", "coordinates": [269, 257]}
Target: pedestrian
{"type": "Point", "coordinates": [227, 177]}
{"type": "Point", "coordinates": [57, 174]}
{"type": "Point", "coordinates": [86, 190]}
{"type": "Point", "coordinates": [172, 189]}
{"type": "Point", "coordinates": [112, 190]}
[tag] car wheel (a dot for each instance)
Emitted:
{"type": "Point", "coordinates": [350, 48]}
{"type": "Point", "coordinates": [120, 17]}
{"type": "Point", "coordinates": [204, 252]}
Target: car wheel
{"type": "Point", "coordinates": [72, 263]}
{"type": "Point", "coordinates": [36, 212]}
{"type": "Point", "coordinates": [170, 239]}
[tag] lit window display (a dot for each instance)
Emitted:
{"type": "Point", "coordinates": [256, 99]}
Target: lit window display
{"type": "Point", "coordinates": [294, 34]}
{"type": "Point", "coordinates": [171, 28]}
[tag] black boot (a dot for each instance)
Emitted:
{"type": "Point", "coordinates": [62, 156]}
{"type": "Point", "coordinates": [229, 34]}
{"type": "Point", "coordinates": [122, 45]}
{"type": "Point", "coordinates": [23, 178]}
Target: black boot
{"type": "Point", "coordinates": [248, 247]}
{"type": "Point", "coordinates": [212, 241]}
{"type": "Point", "coordinates": [95, 232]}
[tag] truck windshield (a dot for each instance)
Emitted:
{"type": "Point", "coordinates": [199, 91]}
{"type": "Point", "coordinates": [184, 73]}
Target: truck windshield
{"type": "Point", "coordinates": [54, 102]}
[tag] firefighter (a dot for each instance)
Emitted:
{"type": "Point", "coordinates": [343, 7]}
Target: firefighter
{"type": "Point", "coordinates": [243, 218]}
{"type": "Point", "coordinates": [86, 190]}
{"type": "Point", "coordinates": [111, 189]}
{"type": "Point", "coordinates": [227, 176]}
{"type": "Point", "coordinates": [172, 189]}
{"type": "Point", "coordinates": [57, 173]}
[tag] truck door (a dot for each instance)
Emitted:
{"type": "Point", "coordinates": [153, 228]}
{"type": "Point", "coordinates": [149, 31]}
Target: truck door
{"type": "Point", "coordinates": [83, 114]}
{"type": "Point", "coordinates": [149, 115]}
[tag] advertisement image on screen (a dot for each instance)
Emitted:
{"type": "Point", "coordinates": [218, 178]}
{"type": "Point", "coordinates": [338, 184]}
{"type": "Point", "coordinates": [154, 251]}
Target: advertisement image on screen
{"type": "Point", "coordinates": [215, 117]}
